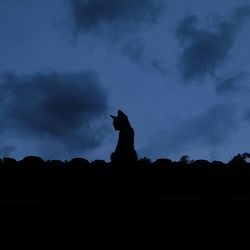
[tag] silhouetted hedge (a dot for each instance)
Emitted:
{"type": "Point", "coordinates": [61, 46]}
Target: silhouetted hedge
{"type": "Point", "coordinates": [32, 177]}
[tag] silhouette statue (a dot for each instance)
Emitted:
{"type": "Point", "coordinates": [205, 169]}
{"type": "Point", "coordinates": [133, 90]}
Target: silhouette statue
{"type": "Point", "coordinates": [124, 152]}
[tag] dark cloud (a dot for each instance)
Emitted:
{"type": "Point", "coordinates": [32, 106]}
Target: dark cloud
{"type": "Point", "coordinates": [134, 49]}
{"type": "Point", "coordinates": [206, 49]}
{"type": "Point", "coordinates": [7, 150]}
{"type": "Point", "coordinates": [119, 15]}
{"type": "Point", "coordinates": [246, 116]}
{"type": "Point", "coordinates": [160, 67]}
{"type": "Point", "coordinates": [120, 22]}
{"type": "Point", "coordinates": [231, 83]}
{"type": "Point", "coordinates": [60, 107]}
{"type": "Point", "coordinates": [209, 130]}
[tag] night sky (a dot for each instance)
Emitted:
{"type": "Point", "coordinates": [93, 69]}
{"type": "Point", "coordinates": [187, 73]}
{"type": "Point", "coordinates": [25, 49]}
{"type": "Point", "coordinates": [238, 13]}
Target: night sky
{"type": "Point", "coordinates": [179, 70]}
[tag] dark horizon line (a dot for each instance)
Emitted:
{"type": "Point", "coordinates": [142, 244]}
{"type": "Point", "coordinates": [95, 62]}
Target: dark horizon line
{"type": "Point", "coordinates": [184, 159]}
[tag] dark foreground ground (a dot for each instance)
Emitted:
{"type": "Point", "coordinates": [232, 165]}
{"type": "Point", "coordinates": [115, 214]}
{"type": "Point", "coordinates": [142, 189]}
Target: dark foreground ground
{"type": "Point", "coordinates": [99, 184]}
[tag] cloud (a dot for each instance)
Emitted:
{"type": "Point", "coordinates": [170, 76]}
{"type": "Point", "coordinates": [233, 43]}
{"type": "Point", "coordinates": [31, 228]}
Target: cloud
{"type": "Point", "coordinates": [209, 130]}
{"type": "Point", "coordinates": [135, 50]}
{"type": "Point", "coordinates": [119, 15]}
{"type": "Point", "coordinates": [246, 116]}
{"type": "Point", "coordinates": [63, 108]}
{"type": "Point", "coordinates": [7, 150]}
{"type": "Point", "coordinates": [121, 22]}
{"type": "Point", "coordinates": [231, 84]}
{"type": "Point", "coordinates": [203, 49]}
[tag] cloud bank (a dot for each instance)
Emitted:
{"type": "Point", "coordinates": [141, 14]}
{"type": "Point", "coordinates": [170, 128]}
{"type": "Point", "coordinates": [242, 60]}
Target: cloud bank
{"type": "Point", "coordinates": [121, 22]}
{"type": "Point", "coordinates": [209, 130]}
{"type": "Point", "coordinates": [203, 49]}
{"type": "Point", "coordinates": [119, 15]}
{"type": "Point", "coordinates": [231, 83]}
{"type": "Point", "coordinates": [61, 107]}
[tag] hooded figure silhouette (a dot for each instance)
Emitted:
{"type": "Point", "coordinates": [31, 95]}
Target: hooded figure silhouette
{"type": "Point", "coordinates": [124, 152]}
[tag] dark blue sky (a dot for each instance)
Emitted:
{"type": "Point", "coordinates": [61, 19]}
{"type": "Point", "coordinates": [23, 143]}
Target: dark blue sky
{"type": "Point", "coordinates": [179, 69]}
